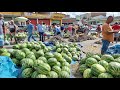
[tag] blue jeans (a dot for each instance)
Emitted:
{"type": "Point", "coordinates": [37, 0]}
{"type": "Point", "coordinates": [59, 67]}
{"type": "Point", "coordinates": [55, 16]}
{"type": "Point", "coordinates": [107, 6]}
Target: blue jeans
{"type": "Point", "coordinates": [105, 45]}
{"type": "Point", "coordinates": [31, 36]}
{"type": "Point", "coordinates": [41, 36]}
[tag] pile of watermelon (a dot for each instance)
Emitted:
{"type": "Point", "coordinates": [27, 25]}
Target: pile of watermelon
{"type": "Point", "coordinates": [37, 61]}
{"type": "Point", "coordinates": [21, 35]}
{"type": "Point", "coordinates": [100, 66]}
{"type": "Point", "coordinates": [70, 49]}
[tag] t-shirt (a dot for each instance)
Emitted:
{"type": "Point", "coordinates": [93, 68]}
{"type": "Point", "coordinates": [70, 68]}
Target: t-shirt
{"type": "Point", "coordinates": [40, 29]}
{"type": "Point", "coordinates": [57, 29]}
{"type": "Point", "coordinates": [116, 27]}
{"type": "Point", "coordinates": [107, 36]}
{"type": "Point", "coordinates": [44, 28]}
{"type": "Point", "coordinates": [30, 28]}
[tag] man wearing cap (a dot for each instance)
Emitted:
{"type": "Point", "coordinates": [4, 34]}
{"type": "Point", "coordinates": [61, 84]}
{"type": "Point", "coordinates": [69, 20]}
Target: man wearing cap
{"type": "Point", "coordinates": [30, 29]}
{"type": "Point", "coordinates": [2, 31]}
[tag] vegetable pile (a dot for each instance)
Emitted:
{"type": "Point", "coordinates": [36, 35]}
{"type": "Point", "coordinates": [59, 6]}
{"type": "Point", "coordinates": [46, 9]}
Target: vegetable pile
{"type": "Point", "coordinates": [39, 61]}
{"type": "Point", "coordinates": [100, 66]}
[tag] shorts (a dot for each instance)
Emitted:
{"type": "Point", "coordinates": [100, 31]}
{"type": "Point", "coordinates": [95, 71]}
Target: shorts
{"type": "Point", "coordinates": [105, 45]}
{"type": "Point", "coordinates": [12, 30]}
{"type": "Point", "coordinates": [116, 34]}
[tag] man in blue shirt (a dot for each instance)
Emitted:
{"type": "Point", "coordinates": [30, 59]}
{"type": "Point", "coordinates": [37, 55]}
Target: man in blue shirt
{"type": "Point", "coordinates": [40, 31]}
{"type": "Point", "coordinates": [30, 28]}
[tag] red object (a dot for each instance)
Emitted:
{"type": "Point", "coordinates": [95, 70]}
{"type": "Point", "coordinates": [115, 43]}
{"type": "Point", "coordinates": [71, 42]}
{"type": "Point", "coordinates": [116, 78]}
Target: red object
{"type": "Point", "coordinates": [46, 21]}
{"type": "Point", "coordinates": [70, 28]}
{"type": "Point", "coordinates": [116, 27]}
{"type": "Point", "coordinates": [33, 21]}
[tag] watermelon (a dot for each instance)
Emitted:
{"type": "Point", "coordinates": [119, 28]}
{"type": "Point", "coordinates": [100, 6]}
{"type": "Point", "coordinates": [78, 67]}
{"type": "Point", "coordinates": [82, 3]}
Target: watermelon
{"type": "Point", "coordinates": [57, 55]}
{"type": "Point", "coordinates": [89, 55]}
{"type": "Point", "coordinates": [39, 53]}
{"type": "Point", "coordinates": [28, 63]}
{"type": "Point", "coordinates": [117, 60]}
{"type": "Point", "coordinates": [52, 74]}
{"type": "Point", "coordinates": [26, 73]}
{"type": "Point", "coordinates": [82, 68]}
{"type": "Point", "coordinates": [34, 51]}
{"type": "Point", "coordinates": [96, 57]}
{"type": "Point", "coordinates": [37, 47]}
{"type": "Point", "coordinates": [25, 50]}
{"type": "Point", "coordinates": [41, 76]}
{"type": "Point", "coordinates": [52, 61]}
{"type": "Point", "coordinates": [90, 62]}
{"type": "Point", "coordinates": [115, 56]}
{"type": "Point", "coordinates": [75, 57]}
{"type": "Point", "coordinates": [58, 64]}
{"type": "Point", "coordinates": [37, 62]}
{"type": "Point", "coordinates": [83, 61]}
{"type": "Point", "coordinates": [65, 68]}
{"type": "Point", "coordinates": [57, 69]}
{"type": "Point", "coordinates": [107, 58]}
{"type": "Point", "coordinates": [64, 74]}
{"type": "Point", "coordinates": [104, 64]}
{"type": "Point", "coordinates": [66, 64]}
{"type": "Point", "coordinates": [43, 59]}
{"type": "Point", "coordinates": [31, 56]}
{"type": "Point", "coordinates": [5, 54]}
{"type": "Point", "coordinates": [114, 68]}
{"type": "Point", "coordinates": [68, 59]}
{"type": "Point", "coordinates": [43, 68]}
{"type": "Point", "coordinates": [59, 50]}
{"type": "Point", "coordinates": [24, 45]}
{"type": "Point", "coordinates": [3, 50]}
{"type": "Point", "coordinates": [49, 55]}
{"type": "Point", "coordinates": [97, 69]}
{"type": "Point", "coordinates": [20, 55]}
{"type": "Point", "coordinates": [17, 62]}
{"type": "Point", "coordinates": [105, 75]}
{"type": "Point", "coordinates": [34, 74]}
{"type": "Point", "coordinates": [45, 50]}
{"type": "Point", "coordinates": [65, 50]}
{"type": "Point", "coordinates": [87, 73]}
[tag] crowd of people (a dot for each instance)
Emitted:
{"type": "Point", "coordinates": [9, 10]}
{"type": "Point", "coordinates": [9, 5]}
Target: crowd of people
{"type": "Point", "coordinates": [108, 32]}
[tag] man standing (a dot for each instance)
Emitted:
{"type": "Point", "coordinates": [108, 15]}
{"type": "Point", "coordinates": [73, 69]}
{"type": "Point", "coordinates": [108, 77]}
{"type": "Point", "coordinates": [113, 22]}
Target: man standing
{"type": "Point", "coordinates": [2, 31]}
{"type": "Point", "coordinates": [41, 32]}
{"type": "Point", "coordinates": [30, 29]}
{"type": "Point", "coordinates": [108, 35]}
{"type": "Point", "coordinates": [116, 27]}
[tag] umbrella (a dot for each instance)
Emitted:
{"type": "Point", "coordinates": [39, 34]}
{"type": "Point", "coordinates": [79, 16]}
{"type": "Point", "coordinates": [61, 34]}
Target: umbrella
{"type": "Point", "coordinates": [21, 19]}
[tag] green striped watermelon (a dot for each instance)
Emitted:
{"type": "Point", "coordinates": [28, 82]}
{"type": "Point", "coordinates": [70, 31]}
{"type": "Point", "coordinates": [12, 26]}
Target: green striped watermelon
{"type": "Point", "coordinates": [43, 68]}
{"type": "Point", "coordinates": [90, 62]}
{"type": "Point", "coordinates": [97, 69]}
{"type": "Point", "coordinates": [87, 73]}
{"type": "Point", "coordinates": [105, 75]}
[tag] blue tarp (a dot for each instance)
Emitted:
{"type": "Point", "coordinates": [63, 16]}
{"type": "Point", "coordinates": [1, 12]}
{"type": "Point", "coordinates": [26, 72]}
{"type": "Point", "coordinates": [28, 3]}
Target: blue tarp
{"type": "Point", "coordinates": [114, 49]}
{"type": "Point", "coordinates": [7, 68]}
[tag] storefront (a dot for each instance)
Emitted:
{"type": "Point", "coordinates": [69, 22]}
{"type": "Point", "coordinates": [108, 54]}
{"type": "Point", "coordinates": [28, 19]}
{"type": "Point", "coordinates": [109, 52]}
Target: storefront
{"type": "Point", "coordinates": [57, 18]}
{"type": "Point", "coordinates": [46, 21]}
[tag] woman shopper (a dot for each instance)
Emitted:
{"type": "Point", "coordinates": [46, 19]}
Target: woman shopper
{"type": "Point", "coordinates": [12, 28]}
